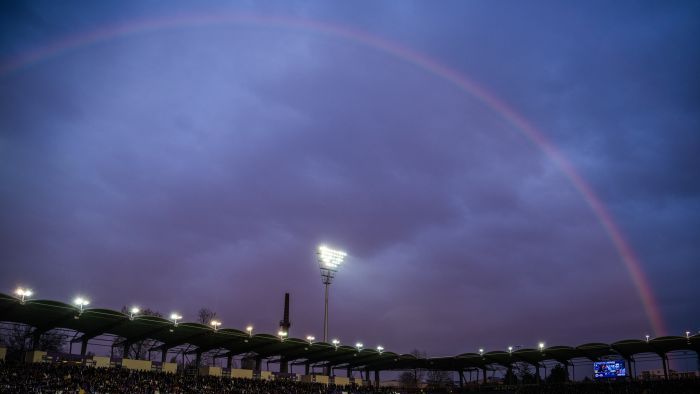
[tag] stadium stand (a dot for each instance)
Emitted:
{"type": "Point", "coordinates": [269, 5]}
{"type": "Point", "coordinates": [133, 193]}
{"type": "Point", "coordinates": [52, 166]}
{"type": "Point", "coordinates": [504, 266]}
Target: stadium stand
{"type": "Point", "coordinates": [77, 371]}
{"type": "Point", "coordinates": [75, 378]}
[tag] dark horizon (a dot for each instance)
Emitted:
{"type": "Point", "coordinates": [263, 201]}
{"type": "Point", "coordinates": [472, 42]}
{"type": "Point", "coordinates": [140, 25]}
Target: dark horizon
{"type": "Point", "coordinates": [201, 163]}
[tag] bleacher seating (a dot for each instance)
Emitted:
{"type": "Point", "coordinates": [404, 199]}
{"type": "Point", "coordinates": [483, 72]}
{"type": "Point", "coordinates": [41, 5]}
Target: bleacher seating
{"type": "Point", "coordinates": [71, 377]}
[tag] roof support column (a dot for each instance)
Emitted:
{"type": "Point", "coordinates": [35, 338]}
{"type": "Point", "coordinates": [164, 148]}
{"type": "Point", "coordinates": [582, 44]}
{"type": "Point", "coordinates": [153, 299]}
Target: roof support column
{"type": "Point", "coordinates": [36, 337]}
{"type": "Point", "coordinates": [229, 361]}
{"type": "Point", "coordinates": [198, 359]}
{"type": "Point", "coordinates": [83, 347]}
{"type": "Point", "coordinates": [461, 378]}
{"type": "Point", "coordinates": [125, 349]}
{"type": "Point", "coordinates": [484, 370]}
{"type": "Point", "coordinates": [544, 366]}
{"type": "Point", "coordinates": [163, 354]}
{"type": "Point", "coordinates": [376, 378]}
{"type": "Point", "coordinates": [538, 378]}
{"type": "Point", "coordinates": [284, 365]}
{"type": "Point", "coordinates": [573, 371]}
{"type": "Point", "coordinates": [307, 366]}
{"type": "Point", "coordinates": [258, 364]}
{"type": "Point", "coordinates": [664, 362]}
{"type": "Point", "coordinates": [367, 379]}
{"type": "Point", "coordinates": [630, 363]}
{"type": "Point", "coordinates": [509, 374]}
{"type": "Point", "coordinates": [349, 372]}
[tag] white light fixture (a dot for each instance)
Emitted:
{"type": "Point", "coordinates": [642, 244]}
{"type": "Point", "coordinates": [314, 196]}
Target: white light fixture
{"type": "Point", "coordinates": [23, 294]}
{"type": "Point", "coordinates": [647, 337]}
{"type": "Point", "coordinates": [335, 343]}
{"type": "Point", "coordinates": [81, 302]}
{"type": "Point", "coordinates": [510, 349]}
{"type": "Point", "coordinates": [310, 338]}
{"type": "Point", "coordinates": [330, 258]}
{"type": "Point", "coordinates": [175, 317]}
{"type": "Point", "coordinates": [380, 349]}
{"type": "Point", "coordinates": [359, 345]}
{"type": "Point", "coordinates": [249, 330]}
{"type": "Point", "coordinates": [541, 346]}
{"type": "Point", "coordinates": [133, 312]}
{"type": "Point", "coordinates": [687, 334]}
{"type": "Point", "coordinates": [216, 324]}
{"type": "Point", "coordinates": [481, 351]}
{"type": "Point", "coordinates": [282, 334]}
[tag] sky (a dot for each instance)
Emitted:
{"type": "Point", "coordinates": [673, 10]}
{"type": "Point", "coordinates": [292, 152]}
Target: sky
{"type": "Point", "coordinates": [179, 155]}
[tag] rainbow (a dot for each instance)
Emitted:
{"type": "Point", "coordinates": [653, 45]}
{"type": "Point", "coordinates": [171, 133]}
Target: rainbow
{"type": "Point", "coordinates": [630, 260]}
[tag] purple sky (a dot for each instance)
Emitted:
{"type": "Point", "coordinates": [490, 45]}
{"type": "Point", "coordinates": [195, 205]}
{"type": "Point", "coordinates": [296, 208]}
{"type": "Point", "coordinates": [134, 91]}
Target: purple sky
{"type": "Point", "coordinates": [192, 167]}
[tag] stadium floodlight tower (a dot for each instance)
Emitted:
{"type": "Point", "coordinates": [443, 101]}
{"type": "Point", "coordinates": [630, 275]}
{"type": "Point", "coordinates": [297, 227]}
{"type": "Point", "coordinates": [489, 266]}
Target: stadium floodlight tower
{"type": "Point", "coordinates": [329, 261]}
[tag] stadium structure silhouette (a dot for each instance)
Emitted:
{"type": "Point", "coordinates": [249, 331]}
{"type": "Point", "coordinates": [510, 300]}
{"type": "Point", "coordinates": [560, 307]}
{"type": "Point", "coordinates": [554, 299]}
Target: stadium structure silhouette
{"type": "Point", "coordinates": [90, 323]}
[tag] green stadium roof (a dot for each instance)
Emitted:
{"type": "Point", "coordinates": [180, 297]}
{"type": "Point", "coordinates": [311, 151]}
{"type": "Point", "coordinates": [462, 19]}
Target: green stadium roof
{"type": "Point", "coordinates": [45, 315]}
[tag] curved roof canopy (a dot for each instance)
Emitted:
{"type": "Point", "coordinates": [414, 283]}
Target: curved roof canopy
{"type": "Point", "coordinates": [45, 315]}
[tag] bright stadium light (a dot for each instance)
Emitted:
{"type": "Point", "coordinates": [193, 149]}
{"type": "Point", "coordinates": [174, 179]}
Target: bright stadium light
{"type": "Point", "coordinates": [133, 312]}
{"type": "Point", "coordinates": [541, 346]}
{"type": "Point", "coordinates": [175, 317]}
{"type": "Point", "coordinates": [249, 330]}
{"type": "Point", "coordinates": [81, 302]}
{"type": "Point", "coordinates": [647, 337]}
{"type": "Point", "coordinates": [687, 334]}
{"type": "Point", "coordinates": [215, 324]}
{"type": "Point", "coordinates": [311, 339]}
{"type": "Point", "coordinates": [329, 260]}
{"type": "Point", "coordinates": [380, 349]}
{"type": "Point", "coordinates": [335, 343]}
{"type": "Point", "coordinates": [510, 349]}
{"type": "Point", "coordinates": [23, 294]}
{"type": "Point", "coordinates": [481, 351]}
{"type": "Point", "coordinates": [359, 345]}
{"type": "Point", "coordinates": [282, 334]}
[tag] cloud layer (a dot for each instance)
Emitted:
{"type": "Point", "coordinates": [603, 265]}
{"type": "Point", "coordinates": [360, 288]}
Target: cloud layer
{"type": "Point", "coordinates": [201, 166]}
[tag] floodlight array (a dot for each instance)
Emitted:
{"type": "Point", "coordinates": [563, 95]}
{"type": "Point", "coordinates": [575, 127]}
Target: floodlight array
{"type": "Point", "coordinates": [329, 258]}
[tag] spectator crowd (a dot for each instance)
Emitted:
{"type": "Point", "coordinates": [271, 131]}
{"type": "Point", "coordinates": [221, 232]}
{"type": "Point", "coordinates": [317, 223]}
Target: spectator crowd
{"type": "Point", "coordinates": [72, 378]}
{"type": "Point", "coordinates": [46, 378]}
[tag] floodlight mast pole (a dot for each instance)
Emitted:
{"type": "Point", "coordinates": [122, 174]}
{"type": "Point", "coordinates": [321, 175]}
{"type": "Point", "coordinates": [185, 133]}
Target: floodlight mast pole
{"type": "Point", "coordinates": [327, 279]}
{"type": "Point", "coordinates": [328, 261]}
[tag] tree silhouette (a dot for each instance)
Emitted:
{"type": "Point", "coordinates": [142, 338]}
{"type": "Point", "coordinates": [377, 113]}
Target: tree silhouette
{"type": "Point", "coordinates": [19, 341]}
{"type": "Point", "coordinates": [559, 374]}
{"type": "Point", "coordinates": [139, 349]}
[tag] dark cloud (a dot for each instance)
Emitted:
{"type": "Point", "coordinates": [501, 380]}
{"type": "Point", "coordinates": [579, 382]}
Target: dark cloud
{"type": "Point", "coordinates": [201, 166]}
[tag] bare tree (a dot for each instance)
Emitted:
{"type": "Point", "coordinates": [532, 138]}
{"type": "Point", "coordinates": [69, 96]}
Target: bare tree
{"type": "Point", "coordinates": [558, 374]}
{"type": "Point", "coordinates": [206, 315]}
{"type": "Point", "coordinates": [413, 378]}
{"type": "Point", "coordinates": [439, 379]}
{"type": "Point", "coordinates": [19, 341]}
{"type": "Point", "coordinates": [139, 349]}
{"type": "Point", "coordinates": [524, 372]}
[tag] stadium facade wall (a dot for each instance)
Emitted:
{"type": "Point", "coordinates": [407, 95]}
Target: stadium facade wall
{"type": "Point", "coordinates": [139, 365]}
{"type": "Point", "coordinates": [169, 367]}
{"type": "Point", "coordinates": [242, 373]}
{"type": "Point", "coordinates": [315, 379]}
{"type": "Point", "coordinates": [34, 356]}
{"type": "Point", "coordinates": [101, 361]}
{"type": "Point", "coordinates": [209, 371]}
{"type": "Point", "coordinates": [266, 375]}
